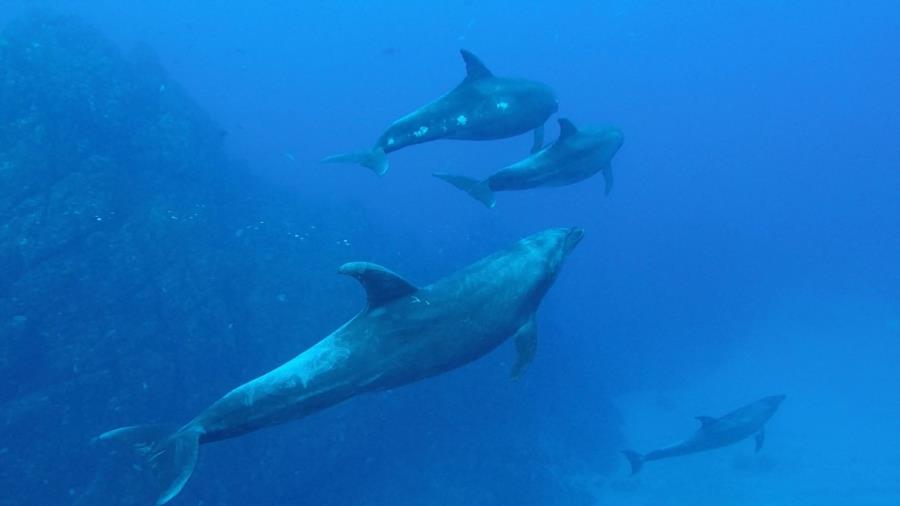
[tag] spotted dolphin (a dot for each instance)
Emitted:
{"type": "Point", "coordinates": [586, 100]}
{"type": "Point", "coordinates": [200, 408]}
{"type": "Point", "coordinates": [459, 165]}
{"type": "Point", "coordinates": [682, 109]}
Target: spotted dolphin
{"type": "Point", "coordinates": [404, 334]}
{"type": "Point", "coordinates": [575, 156]}
{"type": "Point", "coordinates": [717, 432]}
{"type": "Point", "coordinates": [482, 107]}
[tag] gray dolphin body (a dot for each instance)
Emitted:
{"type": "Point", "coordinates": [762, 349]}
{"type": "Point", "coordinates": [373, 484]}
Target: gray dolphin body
{"type": "Point", "coordinates": [717, 432]}
{"type": "Point", "coordinates": [482, 107]}
{"type": "Point", "coordinates": [405, 334]}
{"type": "Point", "coordinates": [575, 156]}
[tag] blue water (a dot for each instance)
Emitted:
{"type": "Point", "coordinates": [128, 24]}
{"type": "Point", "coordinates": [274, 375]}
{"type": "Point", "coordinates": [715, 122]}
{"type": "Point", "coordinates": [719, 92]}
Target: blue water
{"type": "Point", "coordinates": [750, 247]}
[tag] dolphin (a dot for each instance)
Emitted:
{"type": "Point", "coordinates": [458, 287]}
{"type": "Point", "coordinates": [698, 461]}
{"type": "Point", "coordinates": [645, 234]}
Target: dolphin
{"type": "Point", "coordinates": [717, 432]}
{"type": "Point", "coordinates": [482, 107]}
{"type": "Point", "coordinates": [575, 156]}
{"type": "Point", "coordinates": [403, 335]}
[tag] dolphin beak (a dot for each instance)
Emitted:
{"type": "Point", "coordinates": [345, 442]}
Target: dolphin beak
{"type": "Point", "coordinates": [573, 237]}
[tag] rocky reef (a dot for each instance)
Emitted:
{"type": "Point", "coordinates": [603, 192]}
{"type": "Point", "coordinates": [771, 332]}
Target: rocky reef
{"type": "Point", "coordinates": [129, 243]}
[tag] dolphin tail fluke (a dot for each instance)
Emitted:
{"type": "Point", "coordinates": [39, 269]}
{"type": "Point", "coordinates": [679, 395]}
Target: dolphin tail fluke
{"type": "Point", "coordinates": [168, 453]}
{"type": "Point", "coordinates": [635, 459]}
{"type": "Point", "coordinates": [479, 190]}
{"type": "Point", "coordinates": [607, 178]}
{"type": "Point", "coordinates": [375, 159]}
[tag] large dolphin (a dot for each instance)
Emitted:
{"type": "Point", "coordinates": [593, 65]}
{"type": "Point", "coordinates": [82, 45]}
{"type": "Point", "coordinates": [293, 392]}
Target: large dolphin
{"type": "Point", "coordinates": [576, 155]}
{"type": "Point", "coordinates": [404, 334]}
{"type": "Point", "coordinates": [717, 432]}
{"type": "Point", "coordinates": [482, 107]}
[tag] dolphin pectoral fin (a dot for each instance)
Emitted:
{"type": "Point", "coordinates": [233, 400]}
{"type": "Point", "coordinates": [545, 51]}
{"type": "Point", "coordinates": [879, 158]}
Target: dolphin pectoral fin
{"type": "Point", "coordinates": [526, 345]}
{"type": "Point", "coordinates": [538, 143]}
{"type": "Point", "coordinates": [381, 285]}
{"type": "Point", "coordinates": [479, 190]}
{"type": "Point", "coordinates": [705, 421]}
{"type": "Point", "coordinates": [607, 178]}
{"type": "Point", "coordinates": [169, 454]}
{"type": "Point", "coordinates": [635, 459]}
{"type": "Point", "coordinates": [760, 438]}
{"type": "Point", "coordinates": [375, 160]}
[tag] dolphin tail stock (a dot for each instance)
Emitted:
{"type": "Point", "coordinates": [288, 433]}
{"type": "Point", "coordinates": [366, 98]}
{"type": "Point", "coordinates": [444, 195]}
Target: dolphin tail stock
{"type": "Point", "coordinates": [607, 173]}
{"type": "Point", "coordinates": [375, 159]}
{"type": "Point", "coordinates": [635, 459]}
{"type": "Point", "coordinates": [170, 454]}
{"type": "Point", "coordinates": [479, 190]}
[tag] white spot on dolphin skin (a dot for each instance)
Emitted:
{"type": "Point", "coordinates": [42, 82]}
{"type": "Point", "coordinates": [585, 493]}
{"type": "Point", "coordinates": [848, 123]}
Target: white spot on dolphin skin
{"type": "Point", "coordinates": [416, 300]}
{"type": "Point", "coordinates": [391, 141]}
{"type": "Point", "coordinates": [503, 105]}
{"type": "Point", "coordinates": [461, 120]}
{"type": "Point", "coordinates": [421, 131]}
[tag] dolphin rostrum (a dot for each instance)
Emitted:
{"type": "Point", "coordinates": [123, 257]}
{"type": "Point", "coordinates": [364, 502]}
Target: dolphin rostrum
{"type": "Point", "coordinates": [403, 335]}
{"type": "Point", "coordinates": [575, 156]}
{"type": "Point", "coordinates": [482, 107]}
{"type": "Point", "coordinates": [717, 432]}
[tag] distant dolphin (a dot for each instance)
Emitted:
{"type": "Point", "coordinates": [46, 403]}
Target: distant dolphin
{"type": "Point", "coordinates": [576, 155]}
{"type": "Point", "coordinates": [404, 334]}
{"type": "Point", "coordinates": [717, 432]}
{"type": "Point", "coordinates": [482, 107]}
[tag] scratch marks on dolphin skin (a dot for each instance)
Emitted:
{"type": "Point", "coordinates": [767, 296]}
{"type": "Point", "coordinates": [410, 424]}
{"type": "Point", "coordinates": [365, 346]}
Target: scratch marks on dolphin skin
{"type": "Point", "coordinates": [323, 357]}
{"type": "Point", "coordinates": [248, 397]}
{"type": "Point", "coordinates": [421, 131]}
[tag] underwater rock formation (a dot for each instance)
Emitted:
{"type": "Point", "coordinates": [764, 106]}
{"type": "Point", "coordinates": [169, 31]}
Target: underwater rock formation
{"type": "Point", "coordinates": [128, 242]}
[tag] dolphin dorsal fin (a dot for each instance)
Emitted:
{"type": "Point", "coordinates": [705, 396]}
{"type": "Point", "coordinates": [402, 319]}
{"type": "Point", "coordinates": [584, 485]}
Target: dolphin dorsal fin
{"type": "Point", "coordinates": [475, 69]}
{"type": "Point", "coordinates": [382, 285]}
{"type": "Point", "coordinates": [705, 421]}
{"type": "Point", "coordinates": [566, 128]}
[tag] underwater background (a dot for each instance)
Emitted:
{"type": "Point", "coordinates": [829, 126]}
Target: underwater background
{"type": "Point", "coordinates": [167, 233]}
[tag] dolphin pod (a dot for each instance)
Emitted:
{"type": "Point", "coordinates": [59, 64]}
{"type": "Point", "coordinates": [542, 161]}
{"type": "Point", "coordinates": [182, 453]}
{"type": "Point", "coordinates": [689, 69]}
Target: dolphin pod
{"type": "Point", "coordinates": [407, 333]}
{"type": "Point", "coordinates": [481, 107]}
{"type": "Point", "coordinates": [717, 432]}
{"type": "Point", "coordinates": [403, 335]}
{"type": "Point", "coordinates": [486, 107]}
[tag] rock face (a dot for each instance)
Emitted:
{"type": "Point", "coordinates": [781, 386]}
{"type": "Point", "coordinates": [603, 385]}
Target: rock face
{"type": "Point", "coordinates": [129, 244]}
